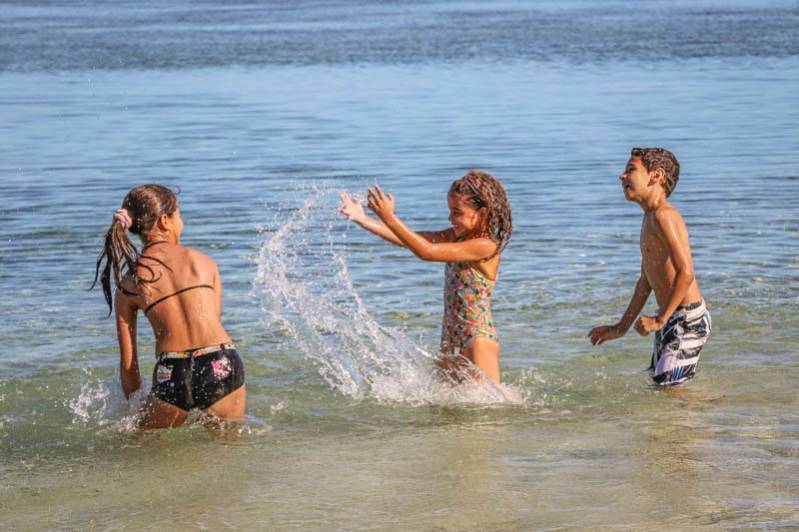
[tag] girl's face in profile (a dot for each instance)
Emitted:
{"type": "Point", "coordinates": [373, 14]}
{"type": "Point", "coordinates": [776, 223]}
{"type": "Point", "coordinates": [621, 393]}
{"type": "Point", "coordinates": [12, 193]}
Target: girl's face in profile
{"type": "Point", "coordinates": [466, 220]}
{"type": "Point", "coordinates": [178, 222]}
{"type": "Point", "coordinates": [170, 225]}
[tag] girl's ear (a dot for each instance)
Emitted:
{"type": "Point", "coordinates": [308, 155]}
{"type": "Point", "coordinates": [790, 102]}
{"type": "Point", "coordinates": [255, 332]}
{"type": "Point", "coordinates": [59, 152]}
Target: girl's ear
{"type": "Point", "coordinates": [163, 222]}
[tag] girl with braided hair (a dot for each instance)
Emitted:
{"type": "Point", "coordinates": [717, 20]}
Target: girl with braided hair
{"type": "Point", "coordinates": [481, 227]}
{"type": "Point", "coordinates": [180, 293]}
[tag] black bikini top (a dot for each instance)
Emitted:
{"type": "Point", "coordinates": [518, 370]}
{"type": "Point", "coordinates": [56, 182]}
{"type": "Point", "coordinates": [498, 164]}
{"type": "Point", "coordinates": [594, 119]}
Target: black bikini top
{"type": "Point", "coordinates": [151, 305]}
{"type": "Point", "coordinates": [176, 293]}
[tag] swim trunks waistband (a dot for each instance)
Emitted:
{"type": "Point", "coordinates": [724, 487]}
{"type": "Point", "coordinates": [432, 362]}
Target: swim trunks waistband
{"type": "Point", "coordinates": [692, 306]}
{"type": "Point", "coordinates": [194, 353]}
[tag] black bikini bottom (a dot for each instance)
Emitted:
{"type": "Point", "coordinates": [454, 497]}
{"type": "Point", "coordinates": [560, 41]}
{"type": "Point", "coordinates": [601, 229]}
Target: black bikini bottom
{"type": "Point", "coordinates": [197, 378]}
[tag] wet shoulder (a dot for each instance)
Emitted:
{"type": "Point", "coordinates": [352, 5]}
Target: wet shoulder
{"type": "Point", "coordinates": [667, 211]}
{"type": "Point", "coordinates": [489, 267]}
{"type": "Point", "coordinates": [201, 264]}
{"type": "Point", "coordinates": [668, 216]}
{"type": "Point", "coordinates": [127, 286]}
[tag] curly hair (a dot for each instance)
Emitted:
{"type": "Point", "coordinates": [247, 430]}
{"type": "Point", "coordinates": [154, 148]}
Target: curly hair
{"type": "Point", "coordinates": [145, 203]}
{"type": "Point", "coordinates": [482, 189]}
{"type": "Point", "coordinates": [654, 158]}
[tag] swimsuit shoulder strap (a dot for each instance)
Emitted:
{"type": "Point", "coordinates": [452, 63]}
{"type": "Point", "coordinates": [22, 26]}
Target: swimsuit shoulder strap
{"type": "Point", "coordinates": [477, 271]}
{"type": "Point", "coordinates": [176, 293]}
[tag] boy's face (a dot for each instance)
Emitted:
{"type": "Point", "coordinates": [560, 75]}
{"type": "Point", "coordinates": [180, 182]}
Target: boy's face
{"type": "Point", "coordinates": [636, 181]}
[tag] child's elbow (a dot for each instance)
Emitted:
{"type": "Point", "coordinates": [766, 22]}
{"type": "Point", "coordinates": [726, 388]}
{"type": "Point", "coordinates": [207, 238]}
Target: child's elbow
{"type": "Point", "coordinates": [425, 255]}
{"type": "Point", "coordinates": [688, 275]}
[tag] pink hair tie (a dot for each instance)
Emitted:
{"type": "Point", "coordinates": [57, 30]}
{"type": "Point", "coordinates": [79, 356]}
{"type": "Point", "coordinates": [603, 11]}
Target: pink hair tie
{"type": "Point", "coordinates": [123, 217]}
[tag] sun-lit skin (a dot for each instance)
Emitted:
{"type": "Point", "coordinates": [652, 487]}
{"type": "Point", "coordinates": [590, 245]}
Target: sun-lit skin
{"type": "Point", "coordinates": [666, 266]}
{"type": "Point", "coordinates": [179, 323]}
{"type": "Point", "coordinates": [465, 241]}
{"type": "Point", "coordinates": [468, 223]}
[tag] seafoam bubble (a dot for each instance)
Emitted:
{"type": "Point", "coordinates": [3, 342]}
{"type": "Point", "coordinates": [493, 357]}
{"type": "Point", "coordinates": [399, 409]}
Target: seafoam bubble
{"type": "Point", "coordinates": [102, 403]}
{"type": "Point", "coordinates": [9, 419]}
{"type": "Point", "coordinates": [305, 290]}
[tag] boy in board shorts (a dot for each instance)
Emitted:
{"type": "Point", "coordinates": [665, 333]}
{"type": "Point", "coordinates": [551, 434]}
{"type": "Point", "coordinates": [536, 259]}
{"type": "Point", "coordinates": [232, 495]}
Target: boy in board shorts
{"type": "Point", "coordinates": [682, 324]}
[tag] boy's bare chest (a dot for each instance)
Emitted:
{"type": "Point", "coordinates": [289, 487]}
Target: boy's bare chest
{"type": "Point", "coordinates": [652, 246]}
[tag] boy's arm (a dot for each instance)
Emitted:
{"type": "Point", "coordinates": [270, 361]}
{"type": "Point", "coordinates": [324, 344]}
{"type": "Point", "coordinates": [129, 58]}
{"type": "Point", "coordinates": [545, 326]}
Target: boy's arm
{"type": "Point", "coordinates": [126, 334]}
{"type": "Point", "coordinates": [671, 227]}
{"type": "Point", "coordinates": [469, 250]}
{"type": "Point", "coordinates": [637, 302]}
{"type": "Point", "coordinates": [602, 334]}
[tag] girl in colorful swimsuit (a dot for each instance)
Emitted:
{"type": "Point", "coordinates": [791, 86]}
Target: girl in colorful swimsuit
{"type": "Point", "coordinates": [180, 293]}
{"type": "Point", "coordinates": [481, 227]}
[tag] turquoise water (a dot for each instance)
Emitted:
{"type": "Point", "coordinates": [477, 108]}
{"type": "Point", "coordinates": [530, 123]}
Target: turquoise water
{"type": "Point", "coordinates": [261, 114]}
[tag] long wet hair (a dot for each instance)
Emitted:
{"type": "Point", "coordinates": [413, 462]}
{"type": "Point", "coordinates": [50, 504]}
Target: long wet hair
{"type": "Point", "coordinates": [482, 189]}
{"type": "Point", "coordinates": [145, 204]}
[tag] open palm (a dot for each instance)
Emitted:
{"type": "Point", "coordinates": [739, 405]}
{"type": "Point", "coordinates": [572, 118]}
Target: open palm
{"type": "Point", "coordinates": [351, 207]}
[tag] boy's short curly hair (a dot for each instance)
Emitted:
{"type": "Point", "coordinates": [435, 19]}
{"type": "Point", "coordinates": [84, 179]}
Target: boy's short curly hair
{"type": "Point", "coordinates": [654, 158]}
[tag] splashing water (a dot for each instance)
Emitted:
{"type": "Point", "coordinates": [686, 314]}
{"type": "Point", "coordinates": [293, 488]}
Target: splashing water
{"type": "Point", "coordinates": [306, 292]}
{"type": "Point", "coordinates": [102, 402]}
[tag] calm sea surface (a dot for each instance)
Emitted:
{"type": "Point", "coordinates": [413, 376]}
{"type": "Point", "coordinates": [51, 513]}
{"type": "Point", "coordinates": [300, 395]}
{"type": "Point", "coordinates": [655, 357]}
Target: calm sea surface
{"type": "Point", "coordinates": [261, 113]}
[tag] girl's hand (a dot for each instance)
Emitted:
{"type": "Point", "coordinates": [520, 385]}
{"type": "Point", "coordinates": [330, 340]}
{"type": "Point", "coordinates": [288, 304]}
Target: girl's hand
{"type": "Point", "coordinates": [351, 207]}
{"type": "Point", "coordinates": [380, 204]}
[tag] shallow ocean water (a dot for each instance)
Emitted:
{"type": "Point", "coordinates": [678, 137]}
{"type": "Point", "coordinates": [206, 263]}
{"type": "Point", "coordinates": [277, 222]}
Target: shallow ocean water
{"type": "Point", "coordinates": [261, 114]}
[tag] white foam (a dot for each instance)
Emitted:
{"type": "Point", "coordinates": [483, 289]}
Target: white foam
{"type": "Point", "coordinates": [102, 403]}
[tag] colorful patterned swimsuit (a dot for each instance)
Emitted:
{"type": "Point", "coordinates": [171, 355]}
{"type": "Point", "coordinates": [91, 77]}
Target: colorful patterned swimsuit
{"type": "Point", "coordinates": [467, 308]}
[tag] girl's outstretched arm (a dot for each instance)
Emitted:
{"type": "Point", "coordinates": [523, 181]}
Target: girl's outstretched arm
{"type": "Point", "coordinates": [353, 210]}
{"type": "Point", "coordinates": [474, 249]}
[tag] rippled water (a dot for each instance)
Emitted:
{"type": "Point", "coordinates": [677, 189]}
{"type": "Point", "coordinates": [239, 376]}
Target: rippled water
{"type": "Point", "coordinates": [261, 114]}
